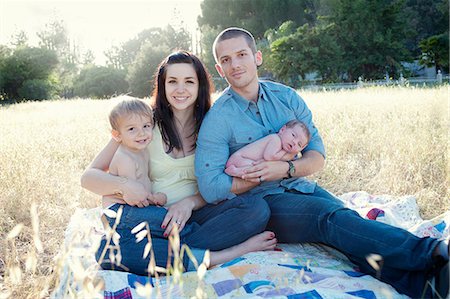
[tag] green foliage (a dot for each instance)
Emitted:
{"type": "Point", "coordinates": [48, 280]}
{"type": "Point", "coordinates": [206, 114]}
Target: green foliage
{"type": "Point", "coordinates": [372, 35]}
{"type": "Point", "coordinates": [141, 72]}
{"type": "Point", "coordinates": [425, 18]}
{"type": "Point", "coordinates": [37, 89]}
{"type": "Point", "coordinates": [257, 15]}
{"type": "Point", "coordinates": [306, 50]}
{"type": "Point", "coordinates": [100, 82]}
{"type": "Point", "coordinates": [435, 51]}
{"type": "Point", "coordinates": [122, 57]}
{"type": "Point", "coordinates": [26, 64]}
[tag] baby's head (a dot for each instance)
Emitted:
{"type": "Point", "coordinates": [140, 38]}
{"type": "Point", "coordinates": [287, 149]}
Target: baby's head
{"type": "Point", "coordinates": [294, 136]}
{"type": "Point", "coordinates": [132, 123]}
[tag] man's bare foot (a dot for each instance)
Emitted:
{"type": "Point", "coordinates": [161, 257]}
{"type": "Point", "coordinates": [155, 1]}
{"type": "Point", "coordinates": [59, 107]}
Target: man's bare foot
{"type": "Point", "coordinates": [263, 241]}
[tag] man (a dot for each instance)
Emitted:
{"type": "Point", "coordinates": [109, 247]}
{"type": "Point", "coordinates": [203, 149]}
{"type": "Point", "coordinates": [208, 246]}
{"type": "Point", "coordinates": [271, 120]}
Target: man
{"type": "Point", "coordinates": [301, 211]}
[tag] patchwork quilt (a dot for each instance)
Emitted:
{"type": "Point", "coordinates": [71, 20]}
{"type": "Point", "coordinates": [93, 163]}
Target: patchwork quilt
{"type": "Point", "coordinates": [290, 271]}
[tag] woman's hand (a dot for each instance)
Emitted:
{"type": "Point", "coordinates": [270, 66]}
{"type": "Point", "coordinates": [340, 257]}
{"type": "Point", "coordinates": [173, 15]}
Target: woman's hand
{"type": "Point", "coordinates": [180, 212]}
{"type": "Point", "coordinates": [177, 215]}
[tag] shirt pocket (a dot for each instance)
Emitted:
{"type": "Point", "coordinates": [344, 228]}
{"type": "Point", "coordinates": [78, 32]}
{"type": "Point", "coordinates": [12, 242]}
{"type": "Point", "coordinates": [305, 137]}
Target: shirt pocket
{"type": "Point", "coordinates": [244, 137]}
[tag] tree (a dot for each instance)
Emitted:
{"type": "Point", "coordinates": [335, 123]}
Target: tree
{"type": "Point", "coordinates": [123, 56]}
{"type": "Point", "coordinates": [425, 18]}
{"type": "Point", "coordinates": [27, 64]}
{"type": "Point", "coordinates": [100, 82]}
{"type": "Point", "coordinates": [372, 35]}
{"type": "Point", "coordinates": [140, 74]}
{"type": "Point", "coordinates": [307, 49]}
{"type": "Point", "coordinates": [54, 37]}
{"type": "Point", "coordinates": [435, 51]}
{"type": "Point", "coordinates": [19, 39]}
{"type": "Point", "coordinates": [257, 15]}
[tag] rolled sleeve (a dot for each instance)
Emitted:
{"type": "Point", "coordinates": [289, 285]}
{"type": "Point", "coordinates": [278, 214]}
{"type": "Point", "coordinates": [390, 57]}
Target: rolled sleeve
{"type": "Point", "coordinates": [211, 156]}
{"type": "Point", "coordinates": [303, 114]}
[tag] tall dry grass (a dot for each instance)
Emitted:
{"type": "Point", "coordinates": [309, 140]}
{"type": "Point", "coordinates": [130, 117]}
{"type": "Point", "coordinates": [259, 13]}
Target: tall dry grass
{"type": "Point", "coordinates": [381, 140]}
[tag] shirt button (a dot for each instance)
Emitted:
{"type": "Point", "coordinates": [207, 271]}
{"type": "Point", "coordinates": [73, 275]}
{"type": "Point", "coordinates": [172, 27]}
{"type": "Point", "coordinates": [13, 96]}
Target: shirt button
{"type": "Point", "coordinates": [270, 131]}
{"type": "Point", "coordinates": [257, 112]}
{"type": "Point", "coordinates": [249, 138]}
{"type": "Point", "coordinates": [207, 164]}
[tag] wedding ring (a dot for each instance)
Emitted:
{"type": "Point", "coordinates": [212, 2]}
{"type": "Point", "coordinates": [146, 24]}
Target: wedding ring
{"type": "Point", "coordinates": [260, 180]}
{"type": "Point", "coordinates": [178, 222]}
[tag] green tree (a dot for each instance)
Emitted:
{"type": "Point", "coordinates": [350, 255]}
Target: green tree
{"type": "Point", "coordinates": [123, 56]}
{"type": "Point", "coordinates": [435, 51]}
{"type": "Point", "coordinates": [54, 37]}
{"type": "Point", "coordinates": [140, 74]}
{"type": "Point", "coordinates": [257, 15]}
{"type": "Point", "coordinates": [372, 35]}
{"type": "Point", "coordinates": [425, 18]}
{"type": "Point", "coordinates": [5, 52]}
{"type": "Point", "coordinates": [307, 50]}
{"type": "Point", "coordinates": [26, 64]}
{"type": "Point", "coordinates": [100, 82]}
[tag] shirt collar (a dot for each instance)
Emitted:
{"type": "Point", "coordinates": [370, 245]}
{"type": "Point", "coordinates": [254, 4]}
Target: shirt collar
{"type": "Point", "coordinates": [244, 103]}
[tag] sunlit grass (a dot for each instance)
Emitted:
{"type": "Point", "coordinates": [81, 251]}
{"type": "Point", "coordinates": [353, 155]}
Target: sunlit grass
{"type": "Point", "coordinates": [381, 140]}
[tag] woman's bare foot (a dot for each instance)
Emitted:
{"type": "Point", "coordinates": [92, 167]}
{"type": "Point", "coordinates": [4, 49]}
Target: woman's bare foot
{"type": "Point", "coordinates": [263, 241]}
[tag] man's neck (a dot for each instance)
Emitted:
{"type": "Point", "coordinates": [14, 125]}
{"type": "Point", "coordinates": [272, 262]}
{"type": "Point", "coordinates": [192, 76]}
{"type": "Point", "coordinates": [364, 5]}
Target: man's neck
{"type": "Point", "coordinates": [249, 92]}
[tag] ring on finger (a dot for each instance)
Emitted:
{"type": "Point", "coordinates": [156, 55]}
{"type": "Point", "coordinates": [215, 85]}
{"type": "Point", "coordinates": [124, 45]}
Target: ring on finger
{"type": "Point", "coordinates": [261, 180]}
{"type": "Point", "coordinates": [178, 222]}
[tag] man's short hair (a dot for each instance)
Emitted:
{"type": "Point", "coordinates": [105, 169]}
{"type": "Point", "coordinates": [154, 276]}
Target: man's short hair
{"type": "Point", "coordinates": [234, 32]}
{"type": "Point", "coordinates": [127, 107]}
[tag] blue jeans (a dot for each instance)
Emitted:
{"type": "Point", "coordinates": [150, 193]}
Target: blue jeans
{"type": "Point", "coordinates": [212, 227]}
{"type": "Point", "coordinates": [321, 217]}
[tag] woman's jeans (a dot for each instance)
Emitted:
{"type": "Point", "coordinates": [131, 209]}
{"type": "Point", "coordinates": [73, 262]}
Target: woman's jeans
{"type": "Point", "coordinates": [213, 227]}
{"type": "Point", "coordinates": [321, 217]}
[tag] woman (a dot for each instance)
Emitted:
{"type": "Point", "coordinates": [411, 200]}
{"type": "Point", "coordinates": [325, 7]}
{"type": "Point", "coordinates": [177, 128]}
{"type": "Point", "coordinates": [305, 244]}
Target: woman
{"type": "Point", "coordinates": [182, 98]}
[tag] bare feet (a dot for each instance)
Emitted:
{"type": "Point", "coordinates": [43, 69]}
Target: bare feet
{"type": "Point", "coordinates": [263, 241]}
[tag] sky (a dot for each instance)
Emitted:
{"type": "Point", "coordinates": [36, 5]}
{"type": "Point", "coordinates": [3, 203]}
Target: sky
{"type": "Point", "coordinates": [98, 24]}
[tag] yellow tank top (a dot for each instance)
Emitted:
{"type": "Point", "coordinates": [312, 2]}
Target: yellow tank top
{"type": "Point", "coordinates": [174, 177]}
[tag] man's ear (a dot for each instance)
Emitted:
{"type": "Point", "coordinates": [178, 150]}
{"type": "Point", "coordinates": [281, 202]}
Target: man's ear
{"type": "Point", "coordinates": [258, 58]}
{"type": "Point", "coordinates": [219, 70]}
{"type": "Point", "coordinates": [116, 135]}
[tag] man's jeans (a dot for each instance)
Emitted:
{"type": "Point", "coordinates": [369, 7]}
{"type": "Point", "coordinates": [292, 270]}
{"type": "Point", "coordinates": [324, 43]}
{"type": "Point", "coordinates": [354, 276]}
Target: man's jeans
{"type": "Point", "coordinates": [321, 217]}
{"type": "Point", "coordinates": [213, 227]}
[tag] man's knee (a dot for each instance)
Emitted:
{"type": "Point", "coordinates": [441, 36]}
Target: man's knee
{"type": "Point", "coordinates": [258, 211]}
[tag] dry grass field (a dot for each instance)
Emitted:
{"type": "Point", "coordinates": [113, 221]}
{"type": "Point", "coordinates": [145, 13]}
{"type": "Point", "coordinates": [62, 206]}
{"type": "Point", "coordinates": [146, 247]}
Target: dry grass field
{"type": "Point", "coordinates": [380, 140]}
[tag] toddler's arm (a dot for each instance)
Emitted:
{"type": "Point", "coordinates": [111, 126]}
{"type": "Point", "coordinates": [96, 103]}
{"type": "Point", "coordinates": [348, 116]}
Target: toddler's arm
{"type": "Point", "coordinates": [158, 198]}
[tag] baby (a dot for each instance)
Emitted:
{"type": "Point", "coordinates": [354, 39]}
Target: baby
{"type": "Point", "coordinates": [285, 145]}
{"type": "Point", "coordinates": [132, 126]}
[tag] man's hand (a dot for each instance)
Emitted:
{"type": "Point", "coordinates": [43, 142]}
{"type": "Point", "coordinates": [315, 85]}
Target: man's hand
{"type": "Point", "coordinates": [135, 194]}
{"type": "Point", "coordinates": [266, 171]}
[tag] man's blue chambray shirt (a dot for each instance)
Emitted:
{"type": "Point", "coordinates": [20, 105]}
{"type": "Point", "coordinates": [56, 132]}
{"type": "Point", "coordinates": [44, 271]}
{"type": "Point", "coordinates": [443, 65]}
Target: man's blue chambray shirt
{"type": "Point", "coordinates": [234, 122]}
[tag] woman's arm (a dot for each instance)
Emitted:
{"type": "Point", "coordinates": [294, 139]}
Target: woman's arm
{"type": "Point", "coordinates": [97, 180]}
{"type": "Point", "coordinates": [180, 212]}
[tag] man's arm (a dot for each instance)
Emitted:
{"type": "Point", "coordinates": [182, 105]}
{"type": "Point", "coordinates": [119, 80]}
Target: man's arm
{"type": "Point", "coordinates": [211, 155]}
{"type": "Point", "coordinates": [313, 156]}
